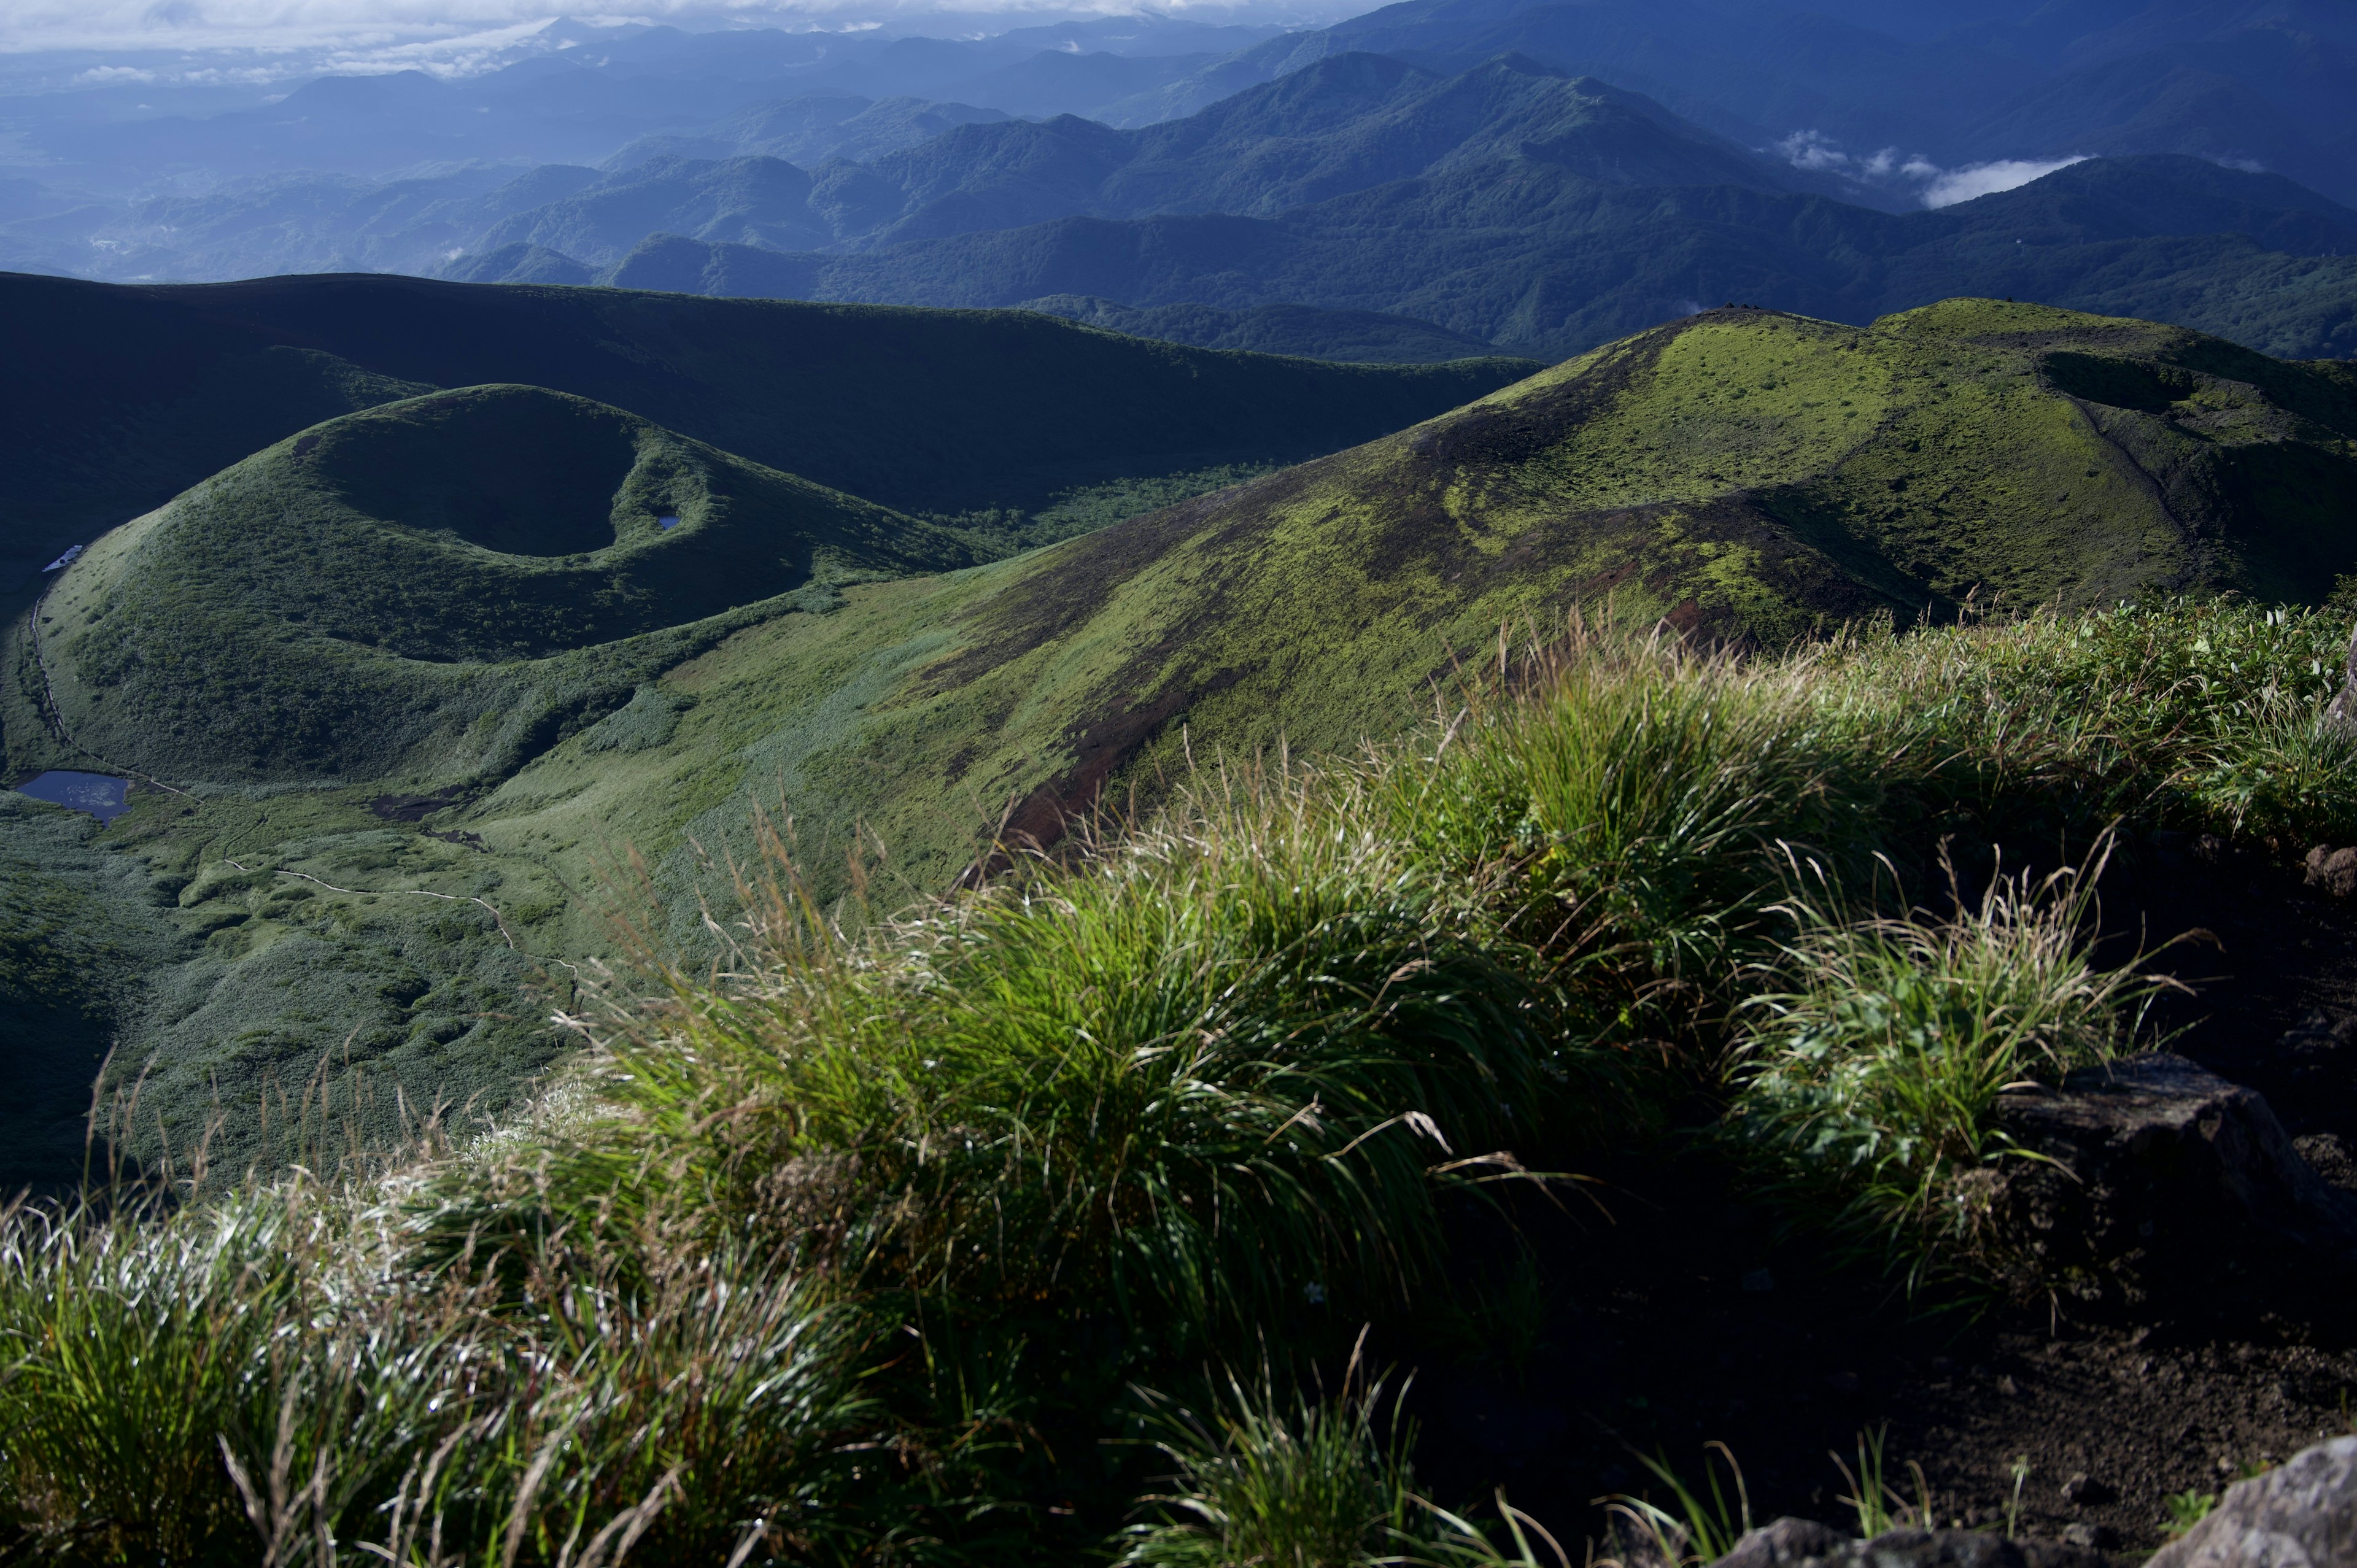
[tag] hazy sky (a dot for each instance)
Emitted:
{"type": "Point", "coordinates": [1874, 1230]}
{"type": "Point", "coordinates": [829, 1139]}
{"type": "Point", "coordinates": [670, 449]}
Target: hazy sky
{"type": "Point", "coordinates": [437, 30]}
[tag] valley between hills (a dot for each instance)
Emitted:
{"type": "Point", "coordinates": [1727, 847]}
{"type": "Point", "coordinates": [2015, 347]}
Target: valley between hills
{"type": "Point", "coordinates": [482, 642]}
{"type": "Point", "coordinates": [618, 747]}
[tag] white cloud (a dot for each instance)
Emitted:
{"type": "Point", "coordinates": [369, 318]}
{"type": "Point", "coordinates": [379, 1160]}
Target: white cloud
{"type": "Point", "coordinates": [1820, 154]}
{"type": "Point", "coordinates": [1986, 180]}
{"type": "Point", "coordinates": [447, 32]}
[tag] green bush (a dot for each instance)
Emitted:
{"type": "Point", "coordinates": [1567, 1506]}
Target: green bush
{"type": "Point", "coordinates": [1224, 1067]}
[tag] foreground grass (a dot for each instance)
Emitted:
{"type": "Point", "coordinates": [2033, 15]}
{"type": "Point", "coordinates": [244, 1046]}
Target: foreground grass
{"type": "Point", "coordinates": [866, 1251]}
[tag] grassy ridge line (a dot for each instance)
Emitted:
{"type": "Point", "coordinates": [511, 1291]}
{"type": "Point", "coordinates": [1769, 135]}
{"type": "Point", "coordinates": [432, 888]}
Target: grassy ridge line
{"type": "Point", "coordinates": [1078, 1130]}
{"type": "Point", "coordinates": [1744, 473]}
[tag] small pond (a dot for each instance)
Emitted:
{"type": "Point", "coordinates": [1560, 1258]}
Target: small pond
{"type": "Point", "coordinates": [100, 794]}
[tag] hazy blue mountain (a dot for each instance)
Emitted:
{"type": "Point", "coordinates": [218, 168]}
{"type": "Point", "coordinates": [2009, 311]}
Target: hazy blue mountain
{"type": "Point", "coordinates": [1058, 82]}
{"type": "Point", "coordinates": [311, 222]}
{"type": "Point", "coordinates": [811, 130]}
{"type": "Point", "coordinates": [1346, 123]}
{"type": "Point", "coordinates": [523, 263]}
{"type": "Point", "coordinates": [579, 103]}
{"type": "Point", "coordinates": [749, 200]}
{"type": "Point", "coordinates": [676, 264]}
{"type": "Point", "coordinates": [1530, 255]}
{"type": "Point", "coordinates": [2266, 83]}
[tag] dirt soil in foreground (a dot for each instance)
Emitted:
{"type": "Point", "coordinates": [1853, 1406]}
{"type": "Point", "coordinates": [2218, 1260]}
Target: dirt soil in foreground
{"type": "Point", "coordinates": [1688, 1319]}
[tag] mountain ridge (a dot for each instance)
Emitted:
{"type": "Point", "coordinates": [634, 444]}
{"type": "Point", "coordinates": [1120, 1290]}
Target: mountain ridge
{"type": "Point", "coordinates": [1531, 256]}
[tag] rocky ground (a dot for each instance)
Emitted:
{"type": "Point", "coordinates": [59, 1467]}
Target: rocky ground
{"type": "Point", "coordinates": [1685, 1318]}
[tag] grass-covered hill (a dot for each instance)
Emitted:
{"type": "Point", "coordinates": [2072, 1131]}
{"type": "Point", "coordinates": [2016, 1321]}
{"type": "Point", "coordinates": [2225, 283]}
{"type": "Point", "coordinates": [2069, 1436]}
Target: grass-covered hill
{"type": "Point", "coordinates": [123, 396]}
{"type": "Point", "coordinates": [429, 586]}
{"type": "Point", "coordinates": [1204, 1200]}
{"type": "Point", "coordinates": [1743, 473]}
{"type": "Point", "coordinates": [1746, 474]}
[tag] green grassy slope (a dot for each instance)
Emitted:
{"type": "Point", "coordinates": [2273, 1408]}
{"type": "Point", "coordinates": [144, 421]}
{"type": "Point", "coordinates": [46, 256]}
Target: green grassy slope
{"type": "Point", "coordinates": [1743, 472]}
{"type": "Point", "coordinates": [1739, 472]}
{"type": "Point", "coordinates": [423, 589]}
{"type": "Point", "coordinates": [121, 397]}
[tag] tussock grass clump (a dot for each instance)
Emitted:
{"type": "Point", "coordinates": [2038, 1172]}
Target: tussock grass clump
{"type": "Point", "coordinates": [1225, 1064]}
{"type": "Point", "coordinates": [1865, 1083]}
{"type": "Point", "coordinates": [1624, 808]}
{"type": "Point", "coordinates": [2194, 715]}
{"type": "Point", "coordinates": [259, 1380]}
{"type": "Point", "coordinates": [1308, 1483]}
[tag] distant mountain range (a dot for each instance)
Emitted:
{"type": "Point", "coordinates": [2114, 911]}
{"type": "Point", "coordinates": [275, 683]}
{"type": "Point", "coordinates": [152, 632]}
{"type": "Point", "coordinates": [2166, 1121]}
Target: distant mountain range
{"type": "Point", "coordinates": [1528, 253]}
{"type": "Point", "coordinates": [2267, 83]}
{"type": "Point", "coordinates": [1477, 173]}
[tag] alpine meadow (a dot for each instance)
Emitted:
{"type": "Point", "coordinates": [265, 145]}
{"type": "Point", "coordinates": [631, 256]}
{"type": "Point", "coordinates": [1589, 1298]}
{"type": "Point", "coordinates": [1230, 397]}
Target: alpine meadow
{"type": "Point", "coordinates": [1502, 784]}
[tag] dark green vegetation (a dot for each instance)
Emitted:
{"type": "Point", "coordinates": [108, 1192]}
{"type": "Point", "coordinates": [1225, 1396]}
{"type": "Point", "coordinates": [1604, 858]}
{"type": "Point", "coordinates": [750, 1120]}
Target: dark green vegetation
{"type": "Point", "coordinates": [871, 1250]}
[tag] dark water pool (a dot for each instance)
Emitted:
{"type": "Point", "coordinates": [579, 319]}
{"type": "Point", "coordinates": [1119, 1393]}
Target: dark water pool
{"type": "Point", "coordinates": [100, 794]}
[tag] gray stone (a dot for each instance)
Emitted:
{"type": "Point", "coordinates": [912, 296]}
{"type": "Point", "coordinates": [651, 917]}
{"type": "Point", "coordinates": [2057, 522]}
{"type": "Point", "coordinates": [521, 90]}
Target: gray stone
{"type": "Point", "coordinates": [1803, 1543]}
{"type": "Point", "coordinates": [2152, 1168]}
{"type": "Point", "coordinates": [2302, 1514]}
{"type": "Point", "coordinates": [1784, 1541]}
{"type": "Point", "coordinates": [2341, 714]}
{"type": "Point", "coordinates": [2334, 870]}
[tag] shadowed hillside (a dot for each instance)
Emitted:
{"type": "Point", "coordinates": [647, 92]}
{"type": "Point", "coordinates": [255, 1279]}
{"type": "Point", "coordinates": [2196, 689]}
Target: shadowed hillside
{"type": "Point", "coordinates": [123, 396]}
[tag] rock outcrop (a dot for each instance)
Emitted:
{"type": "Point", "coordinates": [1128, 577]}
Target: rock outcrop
{"type": "Point", "coordinates": [2302, 1514]}
{"type": "Point", "coordinates": [1804, 1543]}
{"type": "Point", "coordinates": [2152, 1172]}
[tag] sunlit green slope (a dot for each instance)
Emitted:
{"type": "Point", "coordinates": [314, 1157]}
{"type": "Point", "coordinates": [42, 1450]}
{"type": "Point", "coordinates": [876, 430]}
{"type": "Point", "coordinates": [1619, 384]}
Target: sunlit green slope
{"type": "Point", "coordinates": [433, 588]}
{"type": "Point", "coordinates": [1740, 473]}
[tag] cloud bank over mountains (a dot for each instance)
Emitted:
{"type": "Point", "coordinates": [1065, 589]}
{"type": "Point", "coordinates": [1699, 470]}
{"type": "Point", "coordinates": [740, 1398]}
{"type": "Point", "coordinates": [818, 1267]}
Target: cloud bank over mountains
{"type": "Point", "coordinates": [448, 36]}
{"type": "Point", "coordinates": [1935, 187]}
